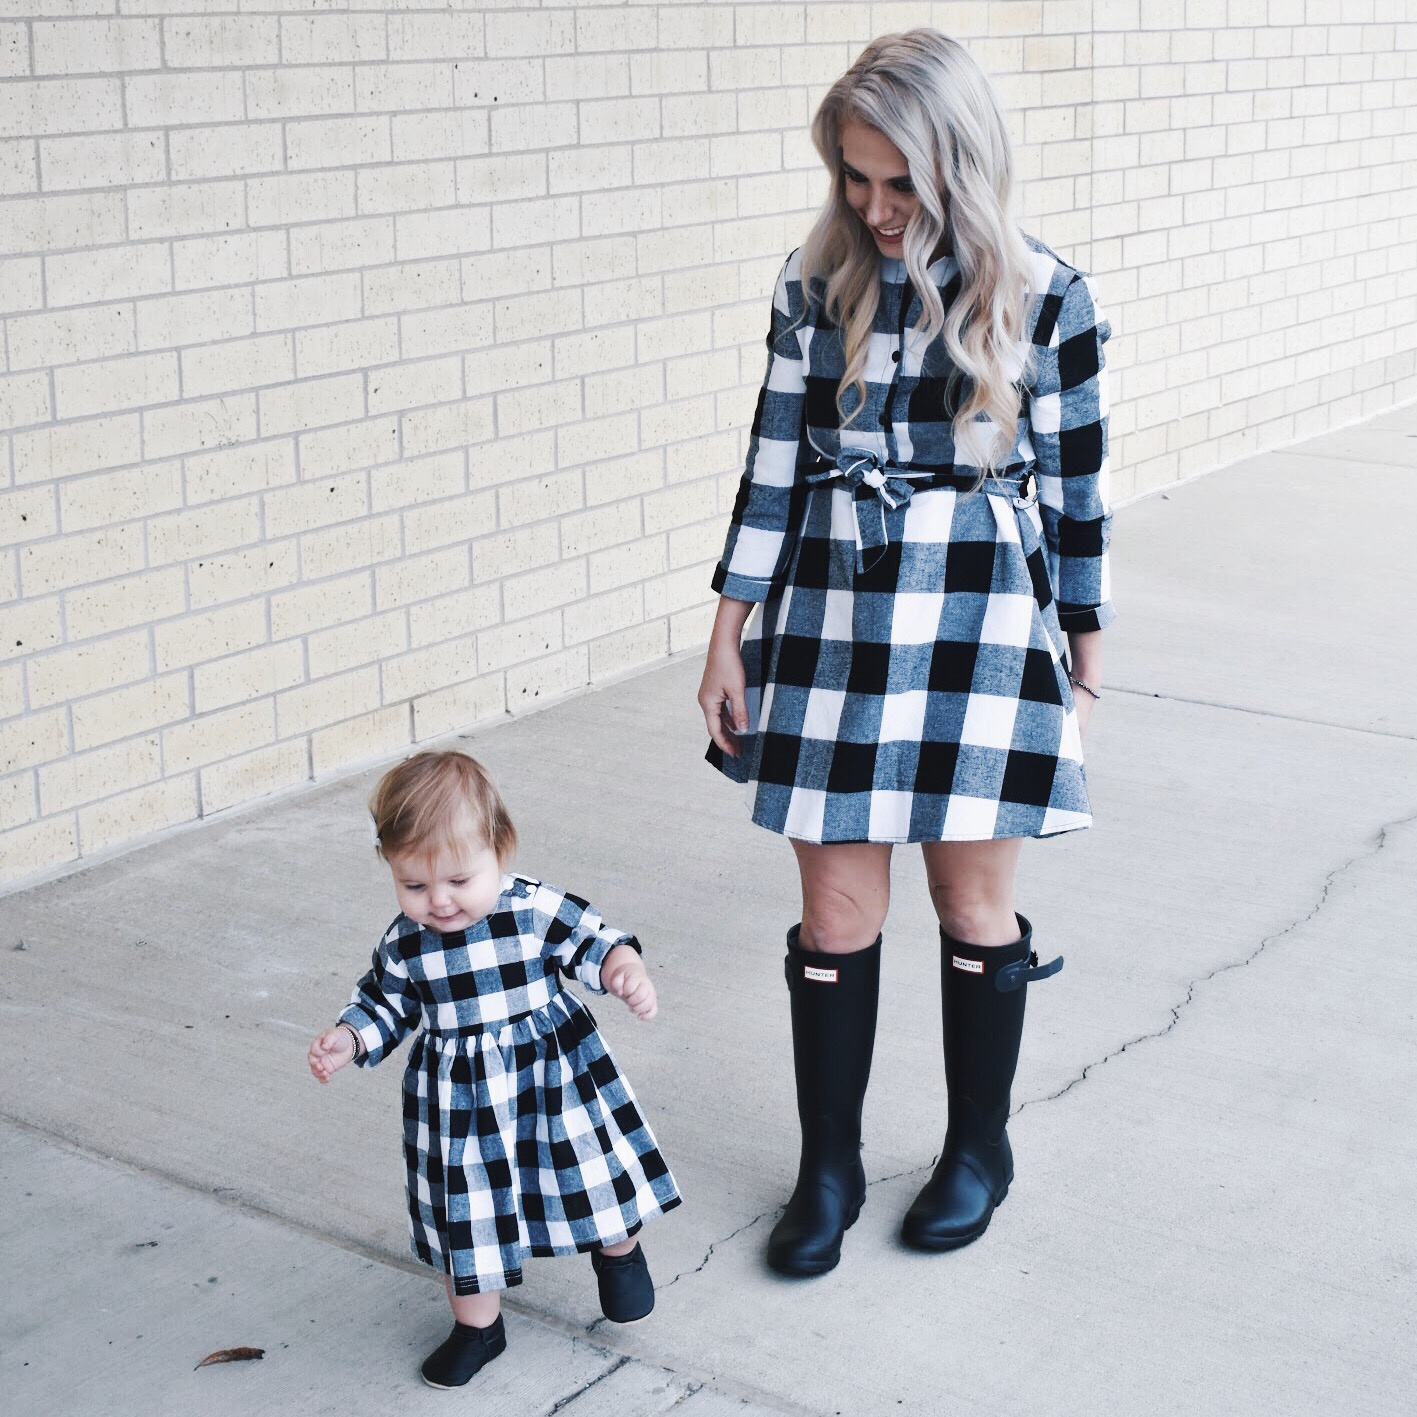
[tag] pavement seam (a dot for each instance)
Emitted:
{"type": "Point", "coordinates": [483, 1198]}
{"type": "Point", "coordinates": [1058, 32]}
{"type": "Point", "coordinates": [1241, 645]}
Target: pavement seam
{"type": "Point", "coordinates": [1261, 713]}
{"type": "Point", "coordinates": [1379, 842]}
{"type": "Point", "coordinates": [562, 1403]}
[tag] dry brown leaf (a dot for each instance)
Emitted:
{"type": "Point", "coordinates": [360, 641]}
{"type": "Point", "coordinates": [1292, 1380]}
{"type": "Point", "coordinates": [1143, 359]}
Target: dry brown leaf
{"type": "Point", "coordinates": [231, 1355]}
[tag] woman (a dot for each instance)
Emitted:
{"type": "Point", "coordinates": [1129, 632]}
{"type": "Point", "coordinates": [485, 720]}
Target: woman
{"type": "Point", "coordinates": [907, 678]}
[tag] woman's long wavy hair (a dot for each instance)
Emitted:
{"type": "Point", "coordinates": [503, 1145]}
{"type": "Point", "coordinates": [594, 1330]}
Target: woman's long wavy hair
{"type": "Point", "coordinates": [928, 95]}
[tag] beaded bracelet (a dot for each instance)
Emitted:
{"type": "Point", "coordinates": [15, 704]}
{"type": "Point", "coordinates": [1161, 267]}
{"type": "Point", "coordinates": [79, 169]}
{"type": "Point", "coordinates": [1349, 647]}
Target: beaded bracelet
{"type": "Point", "coordinates": [1085, 687]}
{"type": "Point", "coordinates": [353, 1033]}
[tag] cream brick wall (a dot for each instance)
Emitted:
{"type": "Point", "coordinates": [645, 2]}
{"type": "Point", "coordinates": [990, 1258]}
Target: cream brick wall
{"type": "Point", "coordinates": [371, 370]}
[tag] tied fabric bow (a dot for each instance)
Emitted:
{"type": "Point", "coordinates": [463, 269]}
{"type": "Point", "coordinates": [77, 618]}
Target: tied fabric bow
{"type": "Point", "coordinates": [875, 489]}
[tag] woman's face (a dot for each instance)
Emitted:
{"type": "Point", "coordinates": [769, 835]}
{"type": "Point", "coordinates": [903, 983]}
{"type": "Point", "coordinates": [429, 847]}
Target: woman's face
{"type": "Point", "coordinates": [876, 180]}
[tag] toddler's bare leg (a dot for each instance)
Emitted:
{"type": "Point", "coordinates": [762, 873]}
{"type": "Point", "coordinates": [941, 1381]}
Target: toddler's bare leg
{"type": "Point", "coordinates": [476, 1310]}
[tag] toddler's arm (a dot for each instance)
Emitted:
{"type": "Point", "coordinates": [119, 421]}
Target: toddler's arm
{"type": "Point", "coordinates": [624, 975]}
{"type": "Point", "coordinates": [575, 936]}
{"type": "Point", "coordinates": [385, 1006]}
{"type": "Point", "coordinates": [331, 1050]}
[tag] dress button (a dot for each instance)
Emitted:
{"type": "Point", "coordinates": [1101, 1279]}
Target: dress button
{"type": "Point", "coordinates": [895, 356]}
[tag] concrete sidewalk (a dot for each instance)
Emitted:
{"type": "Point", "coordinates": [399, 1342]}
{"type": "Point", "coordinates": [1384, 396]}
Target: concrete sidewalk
{"type": "Point", "coordinates": [1216, 1109]}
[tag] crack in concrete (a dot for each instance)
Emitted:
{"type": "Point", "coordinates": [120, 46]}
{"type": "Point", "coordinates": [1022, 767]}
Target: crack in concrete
{"type": "Point", "coordinates": [1175, 1009]}
{"type": "Point", "coordinates": [1330, 880]}
{"type": "Point", "coordinates": [909, 1171]}
{"type": "Point", "coordinates": [1259, 712]}
{"type": "Point", "coordinates": [748, 1225]}
{"type": "Point", "coordinates": [713, 1245]}
{"type": "Point", "coordinates": [580, 1392]}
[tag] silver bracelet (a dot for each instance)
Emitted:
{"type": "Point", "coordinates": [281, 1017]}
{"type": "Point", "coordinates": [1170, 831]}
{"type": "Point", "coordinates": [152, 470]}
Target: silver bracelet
{"type": "Point", "coordinates": [350, 1029]}
{"type": "Point", "coordinates": [1085, 687]}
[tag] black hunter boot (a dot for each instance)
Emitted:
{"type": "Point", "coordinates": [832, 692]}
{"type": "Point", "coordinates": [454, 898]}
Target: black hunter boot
{"type": "Point", "coordinates": [833, 1030]}
{"type": "Point", "coordinates": [982, 991]}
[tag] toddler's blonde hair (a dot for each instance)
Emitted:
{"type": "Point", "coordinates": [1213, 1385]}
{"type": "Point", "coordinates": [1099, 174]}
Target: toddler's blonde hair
{"type": "Point", "coordinates": [430, 801]}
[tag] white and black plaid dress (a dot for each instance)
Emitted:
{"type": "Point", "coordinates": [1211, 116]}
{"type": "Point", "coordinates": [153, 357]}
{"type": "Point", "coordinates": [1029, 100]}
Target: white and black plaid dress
{"type": "Point", "coordinates": [521, 1137]}
{"type": "Point", "coordinates": [907, 673]}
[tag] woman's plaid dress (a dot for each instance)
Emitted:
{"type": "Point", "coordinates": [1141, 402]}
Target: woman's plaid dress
{"type": "Point", "coordinates": [520, 1135]}
{"type": "Point", "coordinates": [907, 674]}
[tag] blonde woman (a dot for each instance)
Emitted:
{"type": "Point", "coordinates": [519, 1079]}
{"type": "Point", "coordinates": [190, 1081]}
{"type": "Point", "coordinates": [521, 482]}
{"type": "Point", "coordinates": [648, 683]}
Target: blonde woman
{"type": "Point", "coordinates": [922, 526]}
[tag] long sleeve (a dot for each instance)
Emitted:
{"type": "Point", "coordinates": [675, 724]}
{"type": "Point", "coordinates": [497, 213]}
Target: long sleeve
{"type": "Point", "coordinates": [1068, 428]}
{"type": "Point", "coordinates": [758, 534]}
{"type": "Point", "coordinates": [576, 937]}
{"type": "Point", "coordinates": [385, 1006]}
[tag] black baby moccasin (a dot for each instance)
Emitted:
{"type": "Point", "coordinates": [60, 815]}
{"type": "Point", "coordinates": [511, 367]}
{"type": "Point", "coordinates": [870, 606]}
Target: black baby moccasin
{"type": "Point", "coordinates": [626, 1290]}
{"type": "Point", "coordinates": [463, 1354]}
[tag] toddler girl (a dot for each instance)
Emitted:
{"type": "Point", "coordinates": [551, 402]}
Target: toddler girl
{"type": "Point", "coordinates": [520, 1135]}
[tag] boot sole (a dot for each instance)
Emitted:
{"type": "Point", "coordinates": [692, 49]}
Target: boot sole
{"type": "Point", "coordinates": [809, 1269]}
{"type": "Point", "coordinates": [939, 1245]}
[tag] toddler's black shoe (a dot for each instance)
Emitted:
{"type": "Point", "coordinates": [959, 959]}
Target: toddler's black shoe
{"type": "Point", "coordinates": [463, 1354]}
{"type": "Point", "coordinates": [626, 1290]}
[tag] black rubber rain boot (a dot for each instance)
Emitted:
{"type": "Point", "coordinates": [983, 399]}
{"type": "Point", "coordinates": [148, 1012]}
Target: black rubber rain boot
{"type": "Point", "coordinates": [982, 993]}
{"type": "Point", "coordinates": [833, 1031]}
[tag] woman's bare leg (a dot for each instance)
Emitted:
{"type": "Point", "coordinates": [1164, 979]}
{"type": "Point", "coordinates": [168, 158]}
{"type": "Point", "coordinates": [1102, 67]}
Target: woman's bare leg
{"type": "Point", "coordinates": [972, 888]}
{"type": "Point", "coordinates": [846, 891]}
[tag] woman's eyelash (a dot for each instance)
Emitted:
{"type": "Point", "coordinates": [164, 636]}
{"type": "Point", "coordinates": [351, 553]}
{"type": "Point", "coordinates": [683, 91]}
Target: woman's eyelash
{"type": "Point", "coordinates": [901, 184]}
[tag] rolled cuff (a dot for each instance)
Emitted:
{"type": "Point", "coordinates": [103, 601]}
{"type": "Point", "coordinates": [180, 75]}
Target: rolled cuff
{"type": "Point", "coordinates": [1078, 619]}
{"type": "Point", "coordinates": [587, 968]}
{"type": "Point", "coordinates": [371, 1039]}
{"type": "Point", "coordinates": [737, 587]}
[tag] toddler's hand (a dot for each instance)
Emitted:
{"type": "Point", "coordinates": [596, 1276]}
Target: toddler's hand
{"type": "Point", "coordinates": [623, 974]}
{"type": "Point", "coordinates": [330, 1051]}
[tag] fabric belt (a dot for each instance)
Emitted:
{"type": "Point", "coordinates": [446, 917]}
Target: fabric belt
{"type": "Point", "coordinates": [878, 487]}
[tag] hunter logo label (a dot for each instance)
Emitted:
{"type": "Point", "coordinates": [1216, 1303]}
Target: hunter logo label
{"type": "Point", "coordinates": [970, 966]}
{"type": "Point", "coordinates": [820, 976]}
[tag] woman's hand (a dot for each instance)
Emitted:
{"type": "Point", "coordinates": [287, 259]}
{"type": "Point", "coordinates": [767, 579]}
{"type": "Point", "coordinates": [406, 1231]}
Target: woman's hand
{"type": "Point", "coordinates": [722, 691]}
{"type": "Point", "coordinates": [330, 1052]}
{"type": "Point", "coordinates": [623, 974]}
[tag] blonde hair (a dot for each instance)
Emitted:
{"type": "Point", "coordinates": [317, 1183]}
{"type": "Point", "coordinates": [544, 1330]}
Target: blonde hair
{"type": "Point", "coordinates": [926, 93]}
{"type": "Point", "coordinates": [429, 801]}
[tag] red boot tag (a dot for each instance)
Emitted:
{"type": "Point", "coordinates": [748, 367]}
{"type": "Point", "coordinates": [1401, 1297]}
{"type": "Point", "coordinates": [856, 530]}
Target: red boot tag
{"type": "Point", "coordinates": [820, 976]}
{"type": "Point", "coordinates": [970, 966]}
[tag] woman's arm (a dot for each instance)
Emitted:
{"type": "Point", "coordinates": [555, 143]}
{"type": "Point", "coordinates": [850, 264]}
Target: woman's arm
{"type": "Point", "coordinates": [761, 525]}
{"type": "Point", "coordinates": [1067, 415]}
{"type": "Point", "coordinates": [1085, 666]}
{"type": "Point", "coordinates": [722, 689]}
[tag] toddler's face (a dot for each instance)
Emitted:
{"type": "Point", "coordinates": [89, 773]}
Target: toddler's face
{"type": "Point", "coordinates": [450, 888]}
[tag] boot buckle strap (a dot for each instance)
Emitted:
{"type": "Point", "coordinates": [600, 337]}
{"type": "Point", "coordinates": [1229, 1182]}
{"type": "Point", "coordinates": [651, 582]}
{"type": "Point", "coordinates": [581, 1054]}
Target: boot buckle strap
{"type": "Point", "coordinates": [1025, 971]}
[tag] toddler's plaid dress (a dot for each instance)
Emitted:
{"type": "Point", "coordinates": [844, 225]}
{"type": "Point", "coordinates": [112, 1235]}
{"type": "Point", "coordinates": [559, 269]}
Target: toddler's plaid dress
{"type": "Point", "coordinates": [906, 671]}
{"type": "Point", "coordinates": [520, 1135]}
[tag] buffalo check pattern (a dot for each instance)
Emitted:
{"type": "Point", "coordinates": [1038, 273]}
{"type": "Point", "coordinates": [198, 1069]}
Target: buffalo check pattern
{"type": "Point", "coordinates": [921, 694]}
{"type": "Point", "coordinates": [521, 1136]}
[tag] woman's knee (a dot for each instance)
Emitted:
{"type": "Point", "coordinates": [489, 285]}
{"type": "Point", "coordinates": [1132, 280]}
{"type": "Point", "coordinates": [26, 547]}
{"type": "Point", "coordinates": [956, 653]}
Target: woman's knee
{"type": "Point", "coordinates": [834, 922]}
{"type": "Point", "coordinates": [972, 894]}
{"type": "Point", "coordinates": [844, 902]}
{"type": "Point", "coordinates": [975, 917]}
